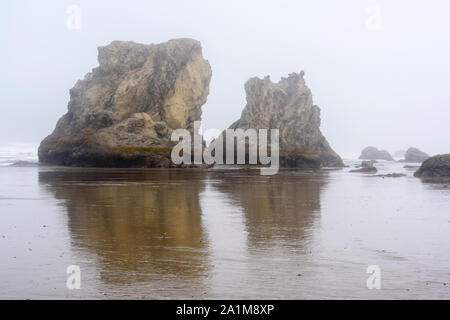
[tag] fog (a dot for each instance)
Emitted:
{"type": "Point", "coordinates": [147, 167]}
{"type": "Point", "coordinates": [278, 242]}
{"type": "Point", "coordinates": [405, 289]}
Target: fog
{"type": "Point", "coordinates": [379, 70]}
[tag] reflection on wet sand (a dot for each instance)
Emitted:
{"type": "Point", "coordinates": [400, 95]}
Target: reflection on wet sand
{"type": "Point", "coordinates": [155, 226]}
{"type": "Point", "coordinates": [142, 224]}
{"type": "Point", "coordinates": [276, 208]}
{"type": "Point", "coordinates": [257, 228]}
{"type": "Point", "coordinates": [230, 234]}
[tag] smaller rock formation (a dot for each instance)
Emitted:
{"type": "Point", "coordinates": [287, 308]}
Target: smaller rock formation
{"type": "Point", "coordinates": [366, 167]}
{"type": "Point", "coordinates": [415, 155]}
{"type": "Point", "coordinates": [435, 167]}
{"type": "Point", "coordinates": [365, 170]}
{"type": "Point", "coordinates": [288, 106]}
{"type": "Point", "coordinates": [372, 153]}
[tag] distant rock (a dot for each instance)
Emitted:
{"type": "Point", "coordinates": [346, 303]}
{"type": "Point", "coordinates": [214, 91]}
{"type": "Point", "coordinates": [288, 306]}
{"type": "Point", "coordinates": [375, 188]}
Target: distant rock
{"type": "Point", "coordinates": [391, 175]}
{"type": "Point", "coordinates": [399, 153]}
{"type": "Point", "coordinates": [288, 106]}
{"type": "Point", "coordinates": [435, 167]}
{"type": "Point", "coordinates": [415, 155]}
{"type": "Point", "coordinates": [372, 153]}
{"type": "Point", "coordinates": [365, 170]}
{"type": "Point", "coordinates": [366, 167]}
{"type": "Point", "coordinates": [122, 113]}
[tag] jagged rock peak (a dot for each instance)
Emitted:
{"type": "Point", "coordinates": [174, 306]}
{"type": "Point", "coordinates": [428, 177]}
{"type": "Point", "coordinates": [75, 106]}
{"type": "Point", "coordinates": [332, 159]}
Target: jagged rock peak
{"type": "Point", "coordinates": [288, 106]}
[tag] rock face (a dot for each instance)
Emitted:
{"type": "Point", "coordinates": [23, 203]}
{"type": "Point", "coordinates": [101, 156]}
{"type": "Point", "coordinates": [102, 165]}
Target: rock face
{"type": "Point", "coordinates": [288, 106]}
{"type": "Point", "coordinates": [435, 167]}
{"type": "Point", "coordinates": [415, 155]}
{"type": "Point", "coordinates": [122, 113]}
{"type": "Point", "coordinates": [372, 153]}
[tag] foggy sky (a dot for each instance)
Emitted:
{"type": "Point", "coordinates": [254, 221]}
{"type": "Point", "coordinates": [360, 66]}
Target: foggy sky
{"type": "Point", "coordinates": [379, 80]}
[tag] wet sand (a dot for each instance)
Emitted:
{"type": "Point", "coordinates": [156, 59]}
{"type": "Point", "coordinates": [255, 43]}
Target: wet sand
{"type": "Point", "coordinates": [231, 234]}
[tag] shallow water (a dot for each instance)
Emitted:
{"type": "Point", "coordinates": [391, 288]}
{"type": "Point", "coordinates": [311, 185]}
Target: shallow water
{"type": "Point", "coordinates": [157, 233]}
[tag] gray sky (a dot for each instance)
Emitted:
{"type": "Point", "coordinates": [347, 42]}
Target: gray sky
{"type": "Point", "coordinates": [379, 70]}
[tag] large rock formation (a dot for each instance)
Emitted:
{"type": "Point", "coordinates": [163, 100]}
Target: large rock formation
{"type": "Point", "coordinates": [124, 111]}
{"type": "Point", "coordinates": [415, 155]}
{"type": "Point", "coordinates": [288, 106]}
{"type": "Point", "coordinates": [435, 167]}
{"type": "Point", "coordinates": [372, 153]}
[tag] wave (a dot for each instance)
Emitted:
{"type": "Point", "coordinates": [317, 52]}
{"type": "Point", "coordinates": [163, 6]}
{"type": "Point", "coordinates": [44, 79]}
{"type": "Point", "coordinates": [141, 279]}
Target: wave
{"type": "Point", "coordinates": [18, 155]}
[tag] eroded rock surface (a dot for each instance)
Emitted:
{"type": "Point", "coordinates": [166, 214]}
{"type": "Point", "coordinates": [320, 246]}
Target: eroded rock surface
{"type": "Point", "coordinates": [122, 113]}
{"type": "Point", "coordinates": [288, 106]}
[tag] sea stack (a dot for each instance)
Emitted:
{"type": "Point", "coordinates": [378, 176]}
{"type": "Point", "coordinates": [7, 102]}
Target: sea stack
{"type": "Point", "coordinates": [372, 153]}
{"type": "Point", "coordinates": [122, 113]}
{"type": "Point", "coordinates": [288, 106]}
{"type": "Point", "coordinates": [415, 155]}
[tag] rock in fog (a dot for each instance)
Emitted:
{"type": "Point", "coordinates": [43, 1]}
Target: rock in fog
{"type": "Point", "coordinates": [124, 111]}
{"type": "Point", "coordinates": [372, 153]}
{"type": "Point", "coordinates": [366, 167]}
{"type": "Point", "coordinates": [415, 155]}
{"type": "Point", "coordinates": [435, 167]}
{"type": "Point", "coordinates": [288, 106]}
{"type": "Point", "coordinates": [365, 170]}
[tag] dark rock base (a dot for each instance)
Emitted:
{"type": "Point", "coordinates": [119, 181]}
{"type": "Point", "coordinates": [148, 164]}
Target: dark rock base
{"type": "Point", "coordinates": [437, 167]}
